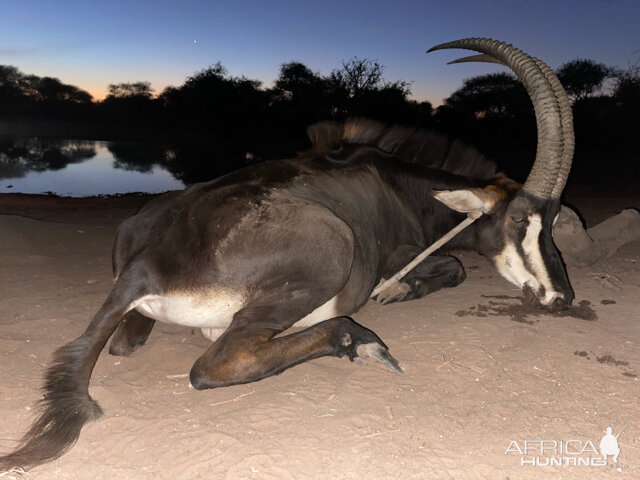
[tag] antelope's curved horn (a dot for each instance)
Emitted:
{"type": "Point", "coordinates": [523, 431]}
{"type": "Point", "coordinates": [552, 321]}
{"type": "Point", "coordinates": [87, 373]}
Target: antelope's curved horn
{"type": "Point", "coordinates": [566, 115]}
{"type": "Point", "coordinates": [568, 137]}
{"type": "Point", "coordinates": [553, 113]}
{"type": "Point", "coordinates": [483, 57]}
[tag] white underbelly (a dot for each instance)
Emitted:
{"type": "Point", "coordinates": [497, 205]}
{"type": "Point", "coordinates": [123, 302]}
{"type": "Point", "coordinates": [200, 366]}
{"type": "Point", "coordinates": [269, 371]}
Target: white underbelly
{"type": "Point", "coordinates": [213, 309]}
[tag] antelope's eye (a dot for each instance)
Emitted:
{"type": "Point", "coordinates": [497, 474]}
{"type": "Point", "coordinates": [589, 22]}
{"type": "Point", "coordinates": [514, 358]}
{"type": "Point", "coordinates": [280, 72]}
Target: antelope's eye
{"type": "Point", "coordinates": [517, 218]}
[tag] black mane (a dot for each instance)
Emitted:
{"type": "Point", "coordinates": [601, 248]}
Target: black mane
{"type": "Point", "coordinates": [411, 145]}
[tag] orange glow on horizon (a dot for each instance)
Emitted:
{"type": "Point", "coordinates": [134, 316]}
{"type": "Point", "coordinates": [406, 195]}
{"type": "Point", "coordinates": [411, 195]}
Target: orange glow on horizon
{"type": "Point", "coordinates": [98, 95]}
{"type": "Point", "coordinates": [433, 95]}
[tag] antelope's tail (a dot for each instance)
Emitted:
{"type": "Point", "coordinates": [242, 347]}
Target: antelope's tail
{"type": "Point", "coordinates": [66, 405]}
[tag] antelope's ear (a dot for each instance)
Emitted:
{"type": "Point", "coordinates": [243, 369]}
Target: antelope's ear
{"type": "Point", "coordinates": [469, 199]}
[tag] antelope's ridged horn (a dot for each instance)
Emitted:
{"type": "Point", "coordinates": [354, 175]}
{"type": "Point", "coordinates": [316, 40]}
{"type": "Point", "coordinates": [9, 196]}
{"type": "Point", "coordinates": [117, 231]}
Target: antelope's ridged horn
{"type": "Point", "coordinates": [566, 115]}
{"type": "Point", "coordinates": [483, 57]}
{"type": "Point", "coordinates": [544, 180]}
{"type": "Point", "coordinates": [568, 138]}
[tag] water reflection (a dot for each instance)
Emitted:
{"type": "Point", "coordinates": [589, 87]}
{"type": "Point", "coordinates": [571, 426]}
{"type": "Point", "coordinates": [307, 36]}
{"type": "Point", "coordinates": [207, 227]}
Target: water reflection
{"type": "Point", "coordinates": [82, 168]}
{"type": "Point", "coordinates": [137, 157]}
{"type": "Point", "coordinates": [19, 156]}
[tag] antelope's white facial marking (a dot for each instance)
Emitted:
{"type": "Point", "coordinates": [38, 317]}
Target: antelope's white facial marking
{"type": "Point", "coordinates": [530, 270]}
{"type": "Point", "coordinates": [531, 247]}
{"type": "Point", "coordinates": [511, 266]}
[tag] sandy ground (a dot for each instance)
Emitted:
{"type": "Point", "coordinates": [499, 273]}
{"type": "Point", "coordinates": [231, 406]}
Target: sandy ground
{"type": "Point", "coordinates": [480, 373]}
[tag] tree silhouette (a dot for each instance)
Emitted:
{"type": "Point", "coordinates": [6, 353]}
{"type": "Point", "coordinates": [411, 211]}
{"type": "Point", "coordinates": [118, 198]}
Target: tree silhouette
{"type": "Point", "coordinates": [53, 90]}
{"type": "Point", "coordinates": [582, 77]}
{"type": "Point", "coordinates": [357, 76]}
{"type": "Point", "coordinates": [299, 98]}
{"type": "Point", "coordinates": [130, 104]}
{"type": "Point", "coordinates": [627, 86]}
{"type": "Point", "coordinates": [12, 81]}
{"type": "Point", "coordinates": [10, 78]}
{"type": "Point", "coordinates": [361, 75]}
{"type": "Point", "coordinates": [497, 95]}
{"type": "Point", "coordinates": [211, 99]}
{"type": "Point", "coordinates": [12, 98]}
{"type": "Point", "coordinates": [15, 84]}
{"type": "Point", "coordinates": [298, 81]}
{"type": "Point", "coordinates": [30, 96]}
{"type": "Point", "coordinates": [492, 112]}
{"type": "Point", "coordinates": [359, 89]}
{"type": "Point", "coordinates": [129, 90]}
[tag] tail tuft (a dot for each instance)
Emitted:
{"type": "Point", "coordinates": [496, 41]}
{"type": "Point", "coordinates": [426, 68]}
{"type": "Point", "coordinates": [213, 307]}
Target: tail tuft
{"type": "Point", "coordinates": [54, 431]}
{"type": "Point", "coordinates": [65, 408]}
{"type": "Point", "coordinates": [66, 405]}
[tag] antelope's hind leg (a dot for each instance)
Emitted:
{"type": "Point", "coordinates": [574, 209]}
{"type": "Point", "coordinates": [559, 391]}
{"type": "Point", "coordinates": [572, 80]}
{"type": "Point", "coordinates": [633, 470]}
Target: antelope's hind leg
{"type": "Point", "coordinates": [310, 266]}
{"type": "Point", "coordinates": [131, 334]}
{"type": "Point", "coordinates": [244, 354]}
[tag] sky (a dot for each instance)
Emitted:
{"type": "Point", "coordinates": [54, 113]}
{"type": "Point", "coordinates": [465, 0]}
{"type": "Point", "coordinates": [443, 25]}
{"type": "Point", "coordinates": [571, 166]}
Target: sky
{"type": "Point", "coordinates": [93, 43]}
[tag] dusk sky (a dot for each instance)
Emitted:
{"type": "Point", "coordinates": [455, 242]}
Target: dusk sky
{"type": "Point", "coordinates": [91, 44]}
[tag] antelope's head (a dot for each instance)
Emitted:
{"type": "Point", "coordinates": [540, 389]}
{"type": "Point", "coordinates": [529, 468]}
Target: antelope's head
{"type": "Point", "coordinates": [516, 233]}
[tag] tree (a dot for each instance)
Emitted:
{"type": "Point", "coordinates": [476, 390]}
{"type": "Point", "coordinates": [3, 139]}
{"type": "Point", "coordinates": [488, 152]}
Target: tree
{"type": "Point", "coordinates": [212, 100]}
{"type": "Point", "coordinates": [9, 75]}
{"type": "Point", "coordinates": [357, 76]}
{"type": "Point", "coordinates": [215, 84]}
{"type": "Point", "coordinates": [582, 77]}
{"type": "Point", "coordinates": [31, 96]}
{"type": "Point", "coordinates": [52, 89]}
{"type": "Point", "coordinates": [497, 95]}
{"type": "Point", "coordinates": [11, 80]}
{"type": "Point", "coordinates": [130, 90]}
{"type": "Point", "coordinates": [358, 88]}
{"type": "Point", "coordinates": [626, 90]}
{"type": "Point", "coordinates": [300, 96]}
{"type": "Point", "coordinates": [360, 75]}
{"type": "Point", "coordinates": [213, 73]}
{"type": "Point", "coordinates": [131, 103]}
{"type": "Point", "coordinates": [297, 80]}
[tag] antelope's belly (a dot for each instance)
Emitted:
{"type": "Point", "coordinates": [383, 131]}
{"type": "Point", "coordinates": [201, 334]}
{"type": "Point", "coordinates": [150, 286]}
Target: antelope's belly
{"type": "Point", "coordinates": [213, 309]}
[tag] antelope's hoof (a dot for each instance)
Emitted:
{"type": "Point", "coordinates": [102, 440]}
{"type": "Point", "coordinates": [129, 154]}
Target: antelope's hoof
{"type": "Point", "coordinates": [393, 293]}
{"type": "Point", "coordinates": [379, 353]}
{"type": "Point", "coordinates": [361, 344]}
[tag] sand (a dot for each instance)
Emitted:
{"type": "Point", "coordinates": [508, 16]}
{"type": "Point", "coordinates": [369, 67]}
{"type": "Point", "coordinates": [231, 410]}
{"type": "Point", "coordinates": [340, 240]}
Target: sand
{"type": "Point", "coordinates": [481, 371]}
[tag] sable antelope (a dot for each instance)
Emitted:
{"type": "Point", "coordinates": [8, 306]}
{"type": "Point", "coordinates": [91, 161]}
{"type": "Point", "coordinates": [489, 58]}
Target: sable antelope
{"type": "Point", "coordinates": [302, 242]}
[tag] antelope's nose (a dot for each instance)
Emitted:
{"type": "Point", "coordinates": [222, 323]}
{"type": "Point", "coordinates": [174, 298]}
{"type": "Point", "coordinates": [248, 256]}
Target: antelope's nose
{"type": "Point", "coordinates": [559, 304]}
